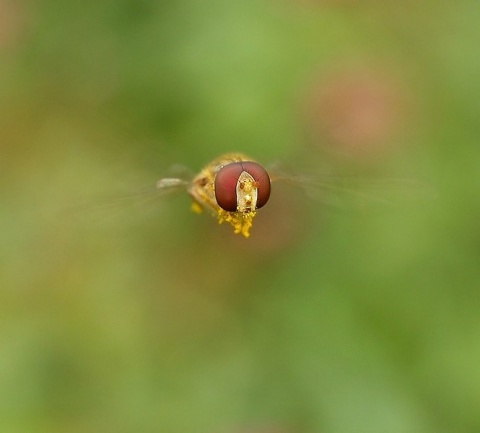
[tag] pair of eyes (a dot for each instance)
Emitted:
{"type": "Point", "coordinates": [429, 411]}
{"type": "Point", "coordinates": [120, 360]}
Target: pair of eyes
{"type": "Point", "coordinates": [226, 181]}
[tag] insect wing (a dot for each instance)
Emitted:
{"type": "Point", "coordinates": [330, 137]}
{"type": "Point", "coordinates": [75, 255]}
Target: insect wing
{"type": "Point", "coordinates": [142, 200]}
{"type": "Point", "coordinates": [346, 191]}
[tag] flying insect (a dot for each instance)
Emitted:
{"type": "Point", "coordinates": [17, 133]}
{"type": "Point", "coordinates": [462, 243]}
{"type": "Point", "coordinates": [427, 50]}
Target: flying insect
{"type": "Point", "coordinates": [232, 188]}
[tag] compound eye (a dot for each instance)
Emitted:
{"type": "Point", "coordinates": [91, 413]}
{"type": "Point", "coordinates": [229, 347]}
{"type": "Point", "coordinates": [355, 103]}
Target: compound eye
{"type": "Point", "coordinates": [227, 182]}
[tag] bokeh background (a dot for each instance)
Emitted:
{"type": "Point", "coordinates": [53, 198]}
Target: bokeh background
{"type": "Point", "coordinates": [138, 315]}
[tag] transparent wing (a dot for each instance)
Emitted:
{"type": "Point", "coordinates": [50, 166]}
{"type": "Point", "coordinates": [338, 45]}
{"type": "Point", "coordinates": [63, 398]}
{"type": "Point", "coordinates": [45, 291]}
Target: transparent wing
{"type": "Point", "coordinates": [345, 191]}
{"type": "Point", "coordinates": [139, 200]}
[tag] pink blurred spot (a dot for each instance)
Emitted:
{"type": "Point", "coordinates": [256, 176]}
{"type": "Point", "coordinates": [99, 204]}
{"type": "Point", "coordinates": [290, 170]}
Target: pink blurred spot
{"type": "Point", "coordinates": [12, 22]}
{"type": "Point", "coordinates": [356, 111]}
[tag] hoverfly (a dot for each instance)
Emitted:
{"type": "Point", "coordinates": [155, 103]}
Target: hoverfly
{"type": "Point", "coordinates": [232, 188]}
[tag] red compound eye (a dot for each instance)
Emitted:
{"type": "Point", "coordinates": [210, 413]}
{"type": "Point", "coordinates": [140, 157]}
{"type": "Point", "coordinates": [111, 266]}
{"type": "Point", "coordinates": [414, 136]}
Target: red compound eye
{"type": "Point", "coordinates": [226, 184]}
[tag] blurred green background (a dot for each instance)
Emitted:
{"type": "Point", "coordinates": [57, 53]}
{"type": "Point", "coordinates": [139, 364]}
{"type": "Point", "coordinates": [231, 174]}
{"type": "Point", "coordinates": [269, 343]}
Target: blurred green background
{"type": "Point", "coordinates": [149, 318]}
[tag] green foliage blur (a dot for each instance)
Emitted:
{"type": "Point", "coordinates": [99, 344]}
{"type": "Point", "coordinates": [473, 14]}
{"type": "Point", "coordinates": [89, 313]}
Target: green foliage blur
{"type": "Point", "coordinates": [346, 311]}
